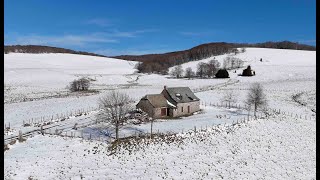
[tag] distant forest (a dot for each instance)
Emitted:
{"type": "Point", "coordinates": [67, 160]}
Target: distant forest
{"type": "Point", "coordinates": [35, 49]}
{"type": "Point", "coordinates": [159, 63]}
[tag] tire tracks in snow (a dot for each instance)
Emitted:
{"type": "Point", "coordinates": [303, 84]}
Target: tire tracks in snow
{"type": "Point", "coordinates": [216, 86]}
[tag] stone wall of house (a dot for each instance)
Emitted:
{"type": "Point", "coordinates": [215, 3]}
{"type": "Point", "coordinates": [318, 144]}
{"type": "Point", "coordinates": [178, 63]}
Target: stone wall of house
{"type": "Point", "coordinates": [194, 106]}
{"type": "Point", "coordinates": [146, 106]}
{"type": "Point", "coordinates": [158, 113]}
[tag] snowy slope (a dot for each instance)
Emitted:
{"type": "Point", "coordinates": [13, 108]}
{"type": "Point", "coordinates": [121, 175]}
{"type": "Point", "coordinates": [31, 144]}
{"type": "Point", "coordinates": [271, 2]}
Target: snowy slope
{"type": "Point", "coordinates": [280, 148]}
{"type": "Point", "coordinates": [57, 70]}
{"type": "Point", "coordinates": [269, 56]}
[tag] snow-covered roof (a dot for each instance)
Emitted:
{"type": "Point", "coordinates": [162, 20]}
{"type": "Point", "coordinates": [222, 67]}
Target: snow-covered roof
{"type": "Point", "coordinates": [182, 94]}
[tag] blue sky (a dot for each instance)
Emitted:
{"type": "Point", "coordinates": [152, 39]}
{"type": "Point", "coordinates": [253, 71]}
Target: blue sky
{"type": "Point", "coordinates": [149, 26]}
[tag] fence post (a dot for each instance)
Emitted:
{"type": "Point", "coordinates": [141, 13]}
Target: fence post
{"type": "Point", "coordinates": [195, 129]}
{"type": "Point", "coordinates": [41, 130]}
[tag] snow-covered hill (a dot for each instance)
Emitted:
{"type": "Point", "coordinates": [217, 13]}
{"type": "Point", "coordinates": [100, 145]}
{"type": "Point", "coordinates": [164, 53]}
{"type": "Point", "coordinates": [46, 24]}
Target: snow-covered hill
{"type": "Point", "coordinates": [278, 148]}
{"type": "Point", "coordinates": [57, 70]}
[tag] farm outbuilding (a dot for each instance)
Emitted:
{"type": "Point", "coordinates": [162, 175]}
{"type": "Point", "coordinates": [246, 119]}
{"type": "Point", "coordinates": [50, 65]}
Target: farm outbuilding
{"type": "Point", "coordinates": [171, 102]}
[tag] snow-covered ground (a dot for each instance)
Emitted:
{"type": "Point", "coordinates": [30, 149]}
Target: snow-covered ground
{"type": "Point", "coordinates": [272, 149]}
{"type": "Point", "coordinates": [264, 149]}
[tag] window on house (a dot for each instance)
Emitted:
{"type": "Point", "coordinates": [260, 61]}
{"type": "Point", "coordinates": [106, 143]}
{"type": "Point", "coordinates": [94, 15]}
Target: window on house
{"type": "Point", "coordinates": [181, 109]}
{"type": "Point", "coordinates": [188, 109]}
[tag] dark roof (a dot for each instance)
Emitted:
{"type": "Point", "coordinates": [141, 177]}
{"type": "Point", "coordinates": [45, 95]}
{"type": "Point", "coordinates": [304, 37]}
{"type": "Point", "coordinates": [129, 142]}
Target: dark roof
{"type": "Point", "coordinates": [182, 94]}
{"type": "Point", "coordinates": [157, 100]}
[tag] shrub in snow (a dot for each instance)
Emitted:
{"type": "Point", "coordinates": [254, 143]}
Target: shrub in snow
{"type": "Point", "coordinates": [81, 84]}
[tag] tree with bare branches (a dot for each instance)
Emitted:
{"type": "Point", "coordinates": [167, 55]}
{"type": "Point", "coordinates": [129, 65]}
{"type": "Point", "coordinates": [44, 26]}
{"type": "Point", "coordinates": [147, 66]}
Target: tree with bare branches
{"type": "Point", "coordinates": [189, 73]}
{"type": "Point", "coordinates": [256, 97]}
{"type": "Point", "coordinates": [201, 69]}
{"type": "Point", "coordinates": [115, 106]}
{"type": "Point", "coordinates": [229, 97]}
{"type": "Point", "coordinates": [212, 68]}
{"type": "Point", "coordinates": [177, 71]}
{"type": "Point", "coordinates": [232, 63]}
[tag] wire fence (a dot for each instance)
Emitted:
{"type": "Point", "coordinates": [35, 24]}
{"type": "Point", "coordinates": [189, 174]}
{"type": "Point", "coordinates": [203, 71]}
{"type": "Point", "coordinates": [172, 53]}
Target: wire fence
{"type": "Point", "coordinates": [78, 132]}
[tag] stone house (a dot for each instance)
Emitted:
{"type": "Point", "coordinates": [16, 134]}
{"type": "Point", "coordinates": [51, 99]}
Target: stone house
{"type": "Point", "coordinates": [171, 102]}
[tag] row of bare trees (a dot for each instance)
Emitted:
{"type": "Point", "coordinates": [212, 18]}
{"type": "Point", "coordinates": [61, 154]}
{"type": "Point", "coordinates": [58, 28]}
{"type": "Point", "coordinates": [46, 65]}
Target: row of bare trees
{"type": "Point", "coordinates": [232, 63]}
{"type": "Point", "coordinates": [207, 70]}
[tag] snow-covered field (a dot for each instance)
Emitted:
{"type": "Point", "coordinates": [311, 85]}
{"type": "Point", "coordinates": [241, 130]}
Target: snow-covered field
{"type": "Point", "coordinates": [264, 149]}
{"type": "Point", "coordinates": [271, 149]}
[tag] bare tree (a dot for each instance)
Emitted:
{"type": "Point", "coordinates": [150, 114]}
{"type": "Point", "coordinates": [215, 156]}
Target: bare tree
{"type": "Point", "coordinates": [201, 69]}
{"type": "Point", "coordinates": [229, 97]}
{"type": "Point", "coordinates": [115, 106]}
{"type": "Point", "coordinates": [256, 97]}
{"type": "Point", "coordinates": [189, 73]}
{"type": "Point", "coordinates": [232, 63]}
{"type": "Point", "coordinates": [177, 71]}
{"type": "Point", "coordinates": [213, 67]}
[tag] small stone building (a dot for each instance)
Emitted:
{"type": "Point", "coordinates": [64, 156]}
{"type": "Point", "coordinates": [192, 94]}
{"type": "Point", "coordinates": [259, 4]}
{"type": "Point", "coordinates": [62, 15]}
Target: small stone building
{"type": "Point", "coordinates": [171, 102]}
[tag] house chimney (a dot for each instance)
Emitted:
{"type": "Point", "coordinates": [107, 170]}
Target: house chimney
{"type": "Point", "coordinates": [164, 87]}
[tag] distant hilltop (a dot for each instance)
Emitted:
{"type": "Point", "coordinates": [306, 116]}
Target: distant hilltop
{"type": "Point", "coordinates": [214, 48]}
{"type": "Point", "coordinates": [159, 63]}
{"type": "Point", "coordinates": [37, 49]}
{"type": "Point", "coordinates": [210, 48]}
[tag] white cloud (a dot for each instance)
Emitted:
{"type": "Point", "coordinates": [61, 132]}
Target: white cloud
{"type": "Point", "coordinates": [200, 33]}
{"type": "Point", "coordinates": [116, 52]}
{"type": "Point", "coordinates": [129, 34]}
{"type": "Point", "coordinates": [112, 36]}
{"type": "Point", "coordinates": [66, 40]}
